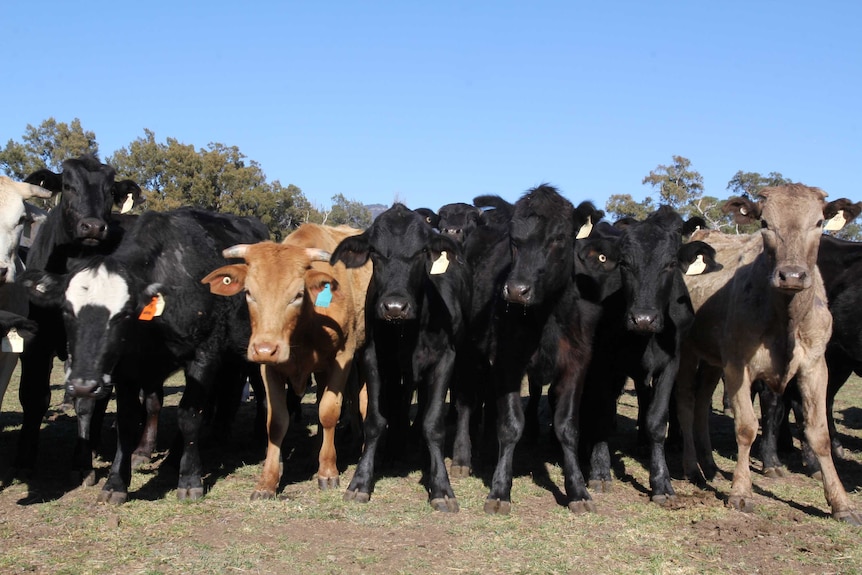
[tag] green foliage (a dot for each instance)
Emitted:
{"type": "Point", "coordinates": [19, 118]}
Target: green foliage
{"type": "Point", "coordinates": [678, 185]}
{"type": "Point", "coordinates": [46, 146]}
{"type": "Point", "coordinates": [348, 212]}
{"type": "Point", "coordinates": [622, 205]}
{"type": "Point", "coordinates": [749, 184]}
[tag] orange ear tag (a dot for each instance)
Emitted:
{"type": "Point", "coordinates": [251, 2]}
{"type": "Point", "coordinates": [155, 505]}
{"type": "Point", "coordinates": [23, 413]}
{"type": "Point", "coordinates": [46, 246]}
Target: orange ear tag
{"type": "Point", "coordinates": [153, 309]}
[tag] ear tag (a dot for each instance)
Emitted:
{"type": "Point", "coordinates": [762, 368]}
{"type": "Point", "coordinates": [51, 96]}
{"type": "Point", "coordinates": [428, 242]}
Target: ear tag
{"type": "Point", "coordinates": [440, 265]}
{"type": "Point", "coordinates": [128, 204]}
{"type": "Point", "coordinates": [697, 267]}
{"type": "Point", "coordinates": [585, 229]}
{"type": "Point", "coordinates": [835, 223]}
{"type": "Point", "coordinates": [12, 342]}
{"type": "Point", "coordinates": [324, 298]}
{"type": "Point", "coordinates": [153, 309]}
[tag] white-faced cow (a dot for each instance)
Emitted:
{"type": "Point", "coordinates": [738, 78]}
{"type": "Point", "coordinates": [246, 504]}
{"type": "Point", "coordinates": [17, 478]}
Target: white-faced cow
{"type": "Point", "coordinates": [137, 315]}
{"type": "Point", "coordinates": [417, 303]}
{"type": "Point", "coordinates": [307, 316]}
{"type": "Point", "coordinates": [763, 317]}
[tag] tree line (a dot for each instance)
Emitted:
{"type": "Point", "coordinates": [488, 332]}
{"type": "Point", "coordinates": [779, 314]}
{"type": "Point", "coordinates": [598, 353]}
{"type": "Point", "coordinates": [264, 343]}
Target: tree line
{"type": "Point", "coordinates": [172, 174]}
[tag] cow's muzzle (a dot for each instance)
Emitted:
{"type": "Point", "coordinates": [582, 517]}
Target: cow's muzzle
{"type": "Point", "coordinates": [395, 309]}
{"type": "Point", "coordinates": [518, 292]}
{"type": "Point", "coordinates": [644, 320]}
{"type": "Point", "coordinates": [792, 278]}
{"type": "Point", "coordinates": [91, 231]}
{"type": "Point", "coordinates": [91, 388]}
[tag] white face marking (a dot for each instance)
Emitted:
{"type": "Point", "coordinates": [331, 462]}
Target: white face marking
{"type": "Point", "coordinates": [98, 287]}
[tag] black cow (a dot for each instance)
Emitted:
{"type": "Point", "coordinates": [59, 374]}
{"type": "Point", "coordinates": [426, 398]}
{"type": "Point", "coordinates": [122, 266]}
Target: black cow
{"type": "Point", "coordinates": [542, 325]}
{"type": "Point", "coordinates": [416, 308]}
{"type": "Point", "coordinates": [135, 316]}
{"type": "Point", "coordinates": [80, 226]}
{"type": "Point", "coordinates": [645, 313]}
{"type": "Point", "coordinates": [459, 220]}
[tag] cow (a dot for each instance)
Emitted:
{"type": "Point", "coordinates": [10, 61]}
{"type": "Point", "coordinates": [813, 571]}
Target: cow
{"type": "Point", "coordinates": [136, 315]}
{"type": "Point", "coordinates": [13, 219]}
{"type": "Point", "coordinates": [763, 317]}
{"type": "Point", "coordinates": [79, 226]}
{"type": "Point", "coordinates": [646, 312]}
{"type": "Point", "coordinates": [416, 310]}
{"type": "Point", "coordinates": [542, 325]}
{"type": "Point", "coordinates": [306, 317]}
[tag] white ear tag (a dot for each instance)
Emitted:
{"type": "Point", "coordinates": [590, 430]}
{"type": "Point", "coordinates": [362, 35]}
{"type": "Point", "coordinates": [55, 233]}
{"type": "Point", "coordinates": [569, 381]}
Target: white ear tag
{"type": "Point", "coordinates": [440, 265]}
{"type": "Point", "coordinates": [835, 223]}
{"type": "Point", "coordinates": [585, 229]}
{"type": "Point", "coordinates": [697, 267]}
{"type": "Point", "coordinates": [12, 342]}
{"type": "Point", "coordinates": [160, 305]}
{"type": "Point", "coordinates": [128, 204]}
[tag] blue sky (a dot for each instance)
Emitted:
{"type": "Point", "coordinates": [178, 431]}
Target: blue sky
{"type": "Point", "coordinates": [436, 102]}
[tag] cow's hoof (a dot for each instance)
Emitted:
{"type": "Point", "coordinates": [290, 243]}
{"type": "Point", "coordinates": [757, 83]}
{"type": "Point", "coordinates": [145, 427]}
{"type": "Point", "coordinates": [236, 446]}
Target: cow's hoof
{"type": "Point", "coordinates": [740, 503]}
{"type": "Point", "coordinates": [84, 478]}
{"type": "Point", "coordinates": [190, 494]}
{"type": "Point", "coordinates": [775, 472]}
{"type": "Point", "coordinates": [445, 504]}
{"type": "Point", "coordinates": [851, 517]}
{"type": "Point", "coordinates": [357, 496]}
{"type": "Point", "coordinates": [498, 507]}
{"type": "Point", "coordinates": [818, 475]}
{"type": "Point", "coordinates": [582, 506]}
{"type": "Point", "coordinates": [601, 485]}
{"type": "Point", "coordinates": [262, 494]}
{"type": "Point", "coordinates": [666, 500]}
{"type": "Point", "coordinates": [459, 471]}
{"type": "Point", "coordinates": [139, 460]}
{"type": "Point", "coordinates": [325, 483]}
{"type": "Point", "coordinates": [112, 497]}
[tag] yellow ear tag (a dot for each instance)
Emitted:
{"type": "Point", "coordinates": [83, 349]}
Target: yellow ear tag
{"type": "Point", "coordinates": [12, 342]}
{"type": "Point", "coordinates": [128, 204]}
{"type": "Point", "coordinates": [585, 229]}
{"type": "Point", "coordinates": [697, 267]}
{"type": "Point", "coordinates": [153, 309]}
{"type": "Point", "coordinates": [835, 223]}
{"type": "Point", "coordinates": [440, 265]}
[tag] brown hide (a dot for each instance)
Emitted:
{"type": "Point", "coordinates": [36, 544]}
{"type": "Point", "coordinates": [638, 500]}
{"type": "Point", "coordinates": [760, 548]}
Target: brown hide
{"type": "Point", "coordinates": [763, 316]}
{"type": "Point", "coordinates": [292, 337]}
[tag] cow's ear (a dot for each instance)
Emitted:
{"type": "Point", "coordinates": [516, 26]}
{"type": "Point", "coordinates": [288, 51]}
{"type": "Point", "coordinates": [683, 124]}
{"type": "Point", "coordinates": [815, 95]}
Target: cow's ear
{"type": "Point", "coordinates": [744, 211]}
{"type": "Point", "coordinates": [46, 179]}
{"type": "Point", "coordinates": [693, 224]}
{"type": "Point", "coordinates": [227, 280]}
{"type": "Point", "coordinates": [585, 216]}
{"type": "Point", "coordinates": [697, 258]}
{"type": "Point", "coordinates": [44, 288]}
{"type": "Point", "coordinates": [127, 195]}
{"type": "Point", "coordinates": [321, 287]}
{"type": "Point", "coordinates": [353, 251]}
{"type": "Point", "coordinates": [442, 249]}
{"type": "Point", "coordinates": [839, 212]}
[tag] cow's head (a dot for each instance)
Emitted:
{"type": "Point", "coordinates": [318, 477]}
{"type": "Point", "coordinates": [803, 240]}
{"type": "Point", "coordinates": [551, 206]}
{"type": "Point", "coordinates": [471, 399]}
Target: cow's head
{"type": "Point", "coordinates": [542, 231]}
{"type": "Point", "coordinates": [13, 216]}
{"type": "Point", "coordinates": [281, 287]}
{"type": "Point", "coordinates": [791, 219]}
{"type": "Point", "coordinates": [99, 303]}
{"type": "Point", "coordinates": [652, 259]}
{"type": "Point", "coordinates": [88, 192]}
{"type": "Point", "coordinates": [405, 252]}
{"type": "Point", "coordinates": [459, 220]}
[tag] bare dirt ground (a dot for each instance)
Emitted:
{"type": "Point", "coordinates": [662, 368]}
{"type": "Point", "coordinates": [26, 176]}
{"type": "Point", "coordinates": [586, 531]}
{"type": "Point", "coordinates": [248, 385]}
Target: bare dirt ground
{"type": "Point", "coordinates": [49, 525]}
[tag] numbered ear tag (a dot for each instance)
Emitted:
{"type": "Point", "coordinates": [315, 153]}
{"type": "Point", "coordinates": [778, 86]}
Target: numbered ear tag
{"type": "Point", "coordinates": [153, 309]}
{"type": "Point", "coordinates": [440, 265]}
{"type": "Point", "coordinates": [12, 342]}
{"type": "Point", "coordinates": [324, 298]}
{"type": "Point", "coordinates": [585, 229]}
{"type": "Point", "coordinates": [835, 223]}
{"type": "Point", "coordinates": [697, 266]}
{"type": "Point", "coordinates": [128, 204]}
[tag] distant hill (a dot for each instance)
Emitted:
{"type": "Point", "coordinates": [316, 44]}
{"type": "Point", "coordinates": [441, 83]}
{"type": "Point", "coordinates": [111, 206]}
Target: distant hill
{"type": "Point", "coordinates": [376, 210]}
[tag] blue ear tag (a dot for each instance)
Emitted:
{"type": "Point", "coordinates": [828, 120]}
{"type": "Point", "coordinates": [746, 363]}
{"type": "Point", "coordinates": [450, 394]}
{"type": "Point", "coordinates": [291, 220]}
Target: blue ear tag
{"type": "Point", "coordinates": [324, 298]}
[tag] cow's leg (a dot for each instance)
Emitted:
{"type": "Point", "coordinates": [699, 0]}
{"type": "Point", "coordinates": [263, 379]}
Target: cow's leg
{"type": "Point", "coordinates": [374, 427]}
{"type": "Point", "coordinates": [598, 415]}
{"type": "Point", "coordinates": [686, 394]}
{"type": "Point", "coordinates": [656, 423]}
{"type": "Point", "coordinates": [329, 410]}
{"type": "Point", "coordinates": [707, 380]}
{"type": "Point", "coordinates": [8, 361]}
{"type": "Point", "coordinates": [510, 426]}
{"type": "Point", "coordinates": [645, 398]}
{"type": "Point", "coordinates": [840, 368]}
{"type": "Point", "coordinates": [567, 427]}
{"type": "Point", "coordinates": [466, 401]}
{"type": "Point", "coordinates": [116, 487]}
{"type": "Point", "coordinates": [772, 413]}
{"type": "Point", "coordinates": [34, 393]}
{"type": "Point", "coordinates": [812, 388]}
{"type": "Point", "coordinates": [441, 495]}
{"type": "Point", "coordinates": [90, 414]}
{"type": "Point", "coordinates": [152, 406]}
{"type": "Point", "coordinates": [190, 414]}
{"type": "Point", "coordinates": [738, 383]}
{"type": "Point", "coordinates": [277, 422]}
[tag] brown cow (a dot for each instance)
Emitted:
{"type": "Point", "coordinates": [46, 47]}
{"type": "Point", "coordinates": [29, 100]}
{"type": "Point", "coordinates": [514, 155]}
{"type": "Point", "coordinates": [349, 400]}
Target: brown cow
{"type": "Point", "coordinates": [763, 317]}
{"type": "Point", "coordinates": [306, 317]}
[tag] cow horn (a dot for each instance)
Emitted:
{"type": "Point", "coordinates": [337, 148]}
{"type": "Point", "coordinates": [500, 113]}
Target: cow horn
{"type": "Point", "coordinates": [318, 255]}
{"type": "Point", "coordinates": [237, 251]}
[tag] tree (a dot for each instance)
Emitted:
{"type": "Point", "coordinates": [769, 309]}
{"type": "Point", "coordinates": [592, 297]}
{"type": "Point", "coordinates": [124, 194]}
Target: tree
{"type": "Point", "coordinates": [349, 212]}
{"type": "Point", "coordinates": [678, 185]}
{"type": "Point", "coordinates": [46, 146]}
{"type": "Point", "coordinates": [749, 184]}
{"type": "Point", "coordinates": [623, 205]}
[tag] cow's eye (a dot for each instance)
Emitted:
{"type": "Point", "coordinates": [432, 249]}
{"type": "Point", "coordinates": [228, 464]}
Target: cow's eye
{"type": "Point", "coordinates": [819, 224]}
{"type": "Point", "coordinates": [671, 265]}
{"type": "Point", "coordinates": [764, 224]}
{"type": "Point", "coordinates": [298, 297]}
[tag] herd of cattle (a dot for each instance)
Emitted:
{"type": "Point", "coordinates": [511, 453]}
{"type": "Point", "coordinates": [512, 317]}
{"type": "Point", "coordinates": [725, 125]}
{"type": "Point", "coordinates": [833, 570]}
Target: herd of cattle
{"type": "Point", "coordinates": [464, 302]}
